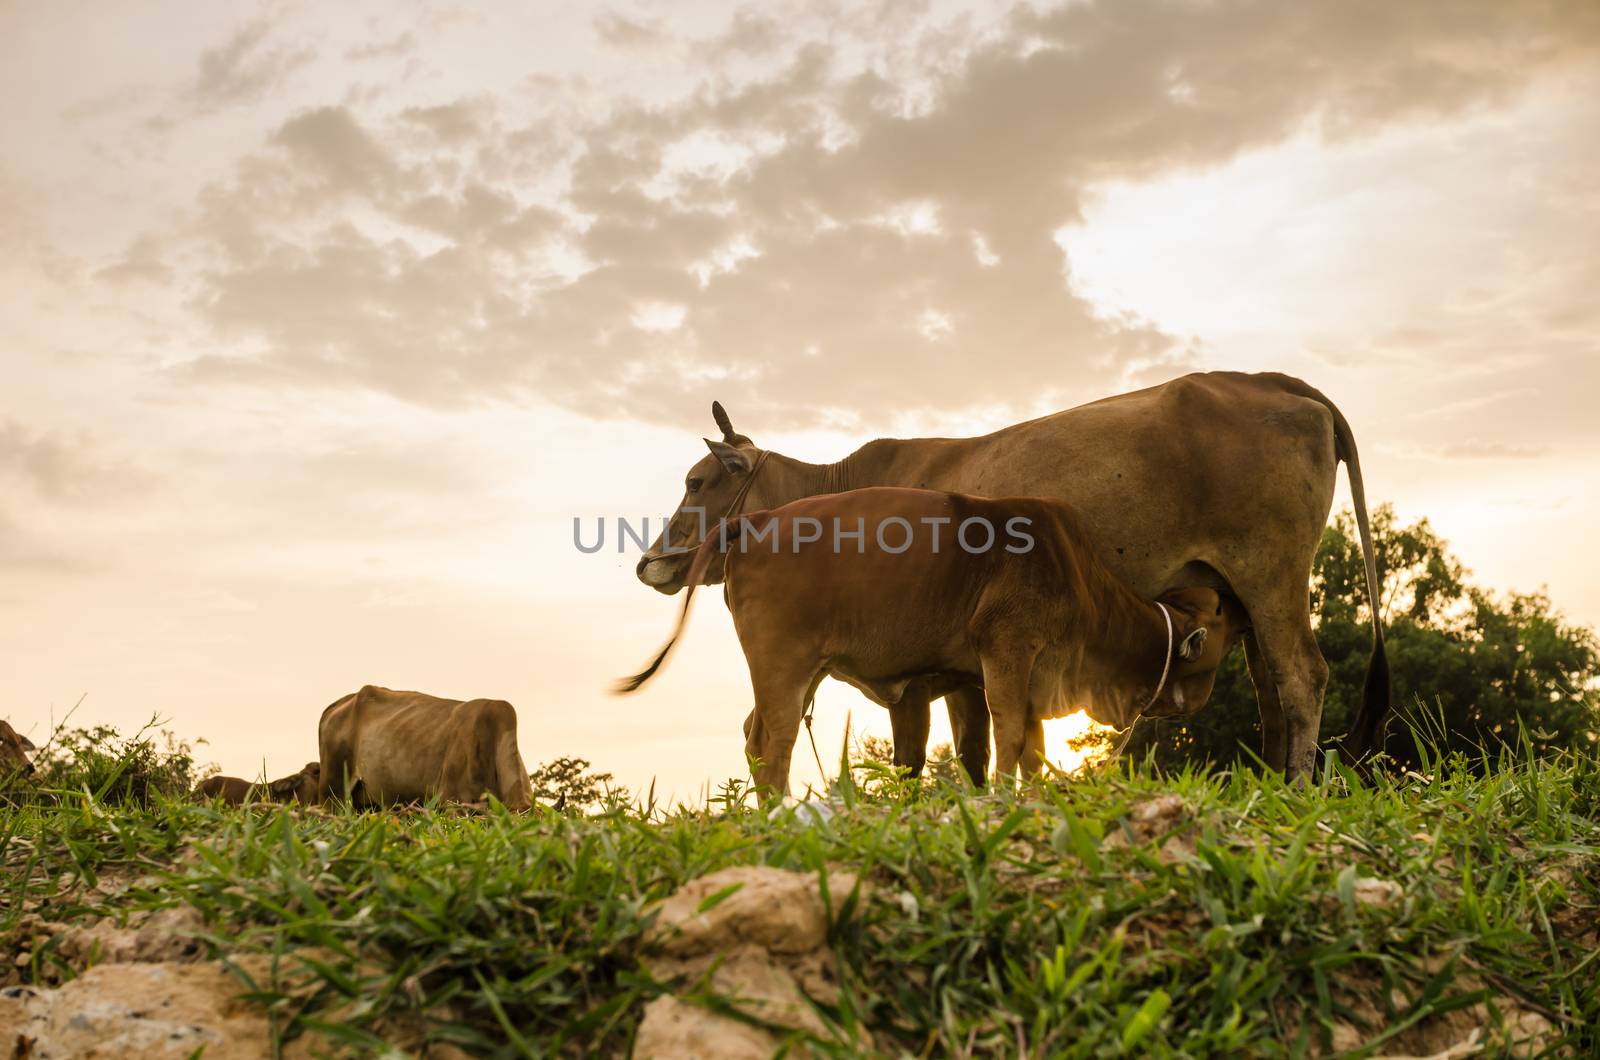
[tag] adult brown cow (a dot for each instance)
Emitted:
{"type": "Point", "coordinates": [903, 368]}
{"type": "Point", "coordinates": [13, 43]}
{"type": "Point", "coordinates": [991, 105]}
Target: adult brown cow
{"type": "Point", "coordinates": [385, 747]}
{"type": "Point", "coordinates": [1220, 479]}
{"type": "Point", "coordinates": [857, 586]}
{"type": "Point", "coordinates": [14, 751]}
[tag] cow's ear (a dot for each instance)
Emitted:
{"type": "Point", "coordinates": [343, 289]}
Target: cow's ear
{"type": "Point", "coordinates": [734, 461]}
{"type": "Point", "coordinates": [1190, 647]}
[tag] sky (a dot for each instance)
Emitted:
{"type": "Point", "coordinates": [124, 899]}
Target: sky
{"type": "Point", "coordinates": [320, 324]}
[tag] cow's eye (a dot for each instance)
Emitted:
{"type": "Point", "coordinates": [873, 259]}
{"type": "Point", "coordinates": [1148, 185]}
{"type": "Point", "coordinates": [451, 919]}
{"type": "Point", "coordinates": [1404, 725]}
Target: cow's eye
{"type": "Point", "coordinates": [694, 485]}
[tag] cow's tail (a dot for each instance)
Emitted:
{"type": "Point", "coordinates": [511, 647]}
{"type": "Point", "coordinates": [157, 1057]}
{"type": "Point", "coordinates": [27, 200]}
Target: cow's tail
{"type": "Point", "coordinates": [726, 534]}
{"type": "Point", "coordinates": [1366, 732]}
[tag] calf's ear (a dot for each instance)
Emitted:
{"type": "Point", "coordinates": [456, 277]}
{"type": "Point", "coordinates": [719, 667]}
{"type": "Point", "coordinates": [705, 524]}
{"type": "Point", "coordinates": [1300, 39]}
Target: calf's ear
{"type": "Point", "coordinates": [1190, 647]}
{"type": "Point", "coordinates": [734, 461]}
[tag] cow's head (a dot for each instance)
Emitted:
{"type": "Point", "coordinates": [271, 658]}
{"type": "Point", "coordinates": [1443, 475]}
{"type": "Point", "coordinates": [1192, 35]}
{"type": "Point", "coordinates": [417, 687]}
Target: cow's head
{"type": "Point", "coordinates": [1206, 624]}
{"type": "Point", "coordinates": [301, 787]}
{"type": "Point", "coordinates": [709, 490]}
{"type": "Point", "coordinates": [14, 751]}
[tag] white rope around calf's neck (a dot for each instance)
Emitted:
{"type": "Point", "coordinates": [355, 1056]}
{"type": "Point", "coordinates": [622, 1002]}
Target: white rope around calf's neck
{"type": "Point", "coordinates": [1166, 668]}
{"type": "Point", "coordinates": [1166, 665]}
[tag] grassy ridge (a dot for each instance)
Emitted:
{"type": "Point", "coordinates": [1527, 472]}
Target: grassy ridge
{"type": "Point", "coordinates": [1112, 914]}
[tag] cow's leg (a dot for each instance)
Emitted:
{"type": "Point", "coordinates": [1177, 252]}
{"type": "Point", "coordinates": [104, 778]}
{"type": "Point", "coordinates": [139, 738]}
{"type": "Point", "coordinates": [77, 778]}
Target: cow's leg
{"type": "Point", "coordinates": [1295, 668]}
{"type": "Point", "coordinates": [969, 728]}
{"type": "Point", "coordinates": [908, 719]}
{"type": "Point", "coordinates": [499, 760]}
{"type": "Point", "coordinates": [755, 736]}
{"type": "Point", "coordinates": [1274, 734]}
{"type": "Point", "coordinates": [1006, 674]}
{"type": "Point", "coordinates": [337, 776]}
{"type": "Point", "coordinates": [1033, 749]}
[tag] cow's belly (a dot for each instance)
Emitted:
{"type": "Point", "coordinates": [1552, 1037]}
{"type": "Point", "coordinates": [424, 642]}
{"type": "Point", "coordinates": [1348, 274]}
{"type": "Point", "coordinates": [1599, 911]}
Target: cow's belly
{"type": "Point", "coordinates": [888, 688]}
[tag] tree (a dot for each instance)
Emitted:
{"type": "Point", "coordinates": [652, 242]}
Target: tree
{"type": "Point", "coordinates": [1470, 667]}
{"type": "Point", "coordinates": [567, 784]}
{"type": "Point", "coordinates": [942, 764]}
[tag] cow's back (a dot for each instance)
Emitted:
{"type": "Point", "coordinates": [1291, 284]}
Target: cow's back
{"type": "Point", "coordinates": [231, 790]}
{"type": "Point", "coordinates": [1167, 473]}
{"type": "Point", "coordinates": [394, 739]}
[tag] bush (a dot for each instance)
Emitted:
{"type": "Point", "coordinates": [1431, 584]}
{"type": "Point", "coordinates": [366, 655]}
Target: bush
{"type": "Point", "coordinates": [113, 769]}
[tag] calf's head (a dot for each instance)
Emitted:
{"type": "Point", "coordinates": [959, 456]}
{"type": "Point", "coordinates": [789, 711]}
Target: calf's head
{"type": "Point", "coordinates": [14, 751]}
{"type": "Point", "coordinates": [709, 490]}
{"type": "Point", "coordinates": [1206, 624]}
{"type": "Point", "coordinates": [301, 787]}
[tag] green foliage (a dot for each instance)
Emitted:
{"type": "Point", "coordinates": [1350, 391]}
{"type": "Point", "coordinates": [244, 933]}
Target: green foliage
{"type": "Point", "coordinates": [942, 765]}
{"type": "Point", "coordinates": [112, 769]}
{"type": "Point", "coordinates": [1477, 669]}
{"type": "Point", "coordinates": [1054, 921]}
{"type": "Point", "coordinates": [568, 784]}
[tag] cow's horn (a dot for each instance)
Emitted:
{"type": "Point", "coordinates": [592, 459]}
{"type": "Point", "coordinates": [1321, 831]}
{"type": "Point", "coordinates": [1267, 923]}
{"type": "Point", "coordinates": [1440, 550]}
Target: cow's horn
{"type": "Point", "coordinates": [720, 414]}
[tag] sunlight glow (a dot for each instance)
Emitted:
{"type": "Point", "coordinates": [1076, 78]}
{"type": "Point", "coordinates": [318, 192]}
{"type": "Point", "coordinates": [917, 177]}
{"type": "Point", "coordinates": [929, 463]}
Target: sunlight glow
{"type": "Point", "coordinates": [1063, 739]}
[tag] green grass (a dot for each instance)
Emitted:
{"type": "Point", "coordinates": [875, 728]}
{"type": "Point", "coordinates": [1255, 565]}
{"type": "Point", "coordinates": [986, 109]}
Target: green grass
{"type": "Point", "coordinates": [1044, 920]}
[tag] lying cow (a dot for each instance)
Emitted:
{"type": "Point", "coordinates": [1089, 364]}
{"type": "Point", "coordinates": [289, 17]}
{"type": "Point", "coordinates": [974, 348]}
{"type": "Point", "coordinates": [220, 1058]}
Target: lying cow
{"type": "Point", "coordinates": [14, 751]}
{"type": "Point", "coordinates": [297, 787]}
{"type": "Point", "coordinates": [382, 747]}
{"type": "Point", "coordinates": [234, 791]}
{"type": "Point", "coordinates": [1045, 627]}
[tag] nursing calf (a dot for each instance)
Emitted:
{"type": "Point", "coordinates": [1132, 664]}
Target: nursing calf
{"type": "Point", "coordinates": [297, 787]}
{"type": "Point", "coordinates": [383, 747]}
{"type": "Point", "coordinates": [939, 591]}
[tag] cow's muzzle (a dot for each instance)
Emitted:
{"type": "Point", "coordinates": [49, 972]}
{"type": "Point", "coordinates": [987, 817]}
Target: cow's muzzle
{"type": "Point", "coordinates": [661, 573]}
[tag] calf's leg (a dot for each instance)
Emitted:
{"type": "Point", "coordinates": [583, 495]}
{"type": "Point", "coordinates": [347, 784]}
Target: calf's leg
{"type": "Point", "coordinates": [969, 728]}
{"type": "Point", "coordinates": [1006, 676]}
{"type": "Point", "coordinates": [908, 719]}
{"type": "Point", "coordinates": [782, 692]}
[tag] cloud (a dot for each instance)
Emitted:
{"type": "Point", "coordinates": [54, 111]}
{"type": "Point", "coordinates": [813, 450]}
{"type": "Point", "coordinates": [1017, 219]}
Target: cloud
{"type": "Point", "coordinates": [330, 145]}
{"type": "Point", "coordinates": [806, 224]}
{"type": "Point", "coordinates": [401, 44]}
{"type": "Point", "coordinates": [22, 551]}
{"type": "Point", "coordinates": [65, 469]}
{"type": "Point", "coordinates": [1451, 409]}
{"type": "Point", "coordinates": [242, 69]}
{"type": "Point", "coordinates": [452, 122]}
{"type": "Point", "coordinates": [140, 264]}
{"type": "Point", "coordinates": [1474, 449]}
{"type": "Point", "coordinates": [631, 36]}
